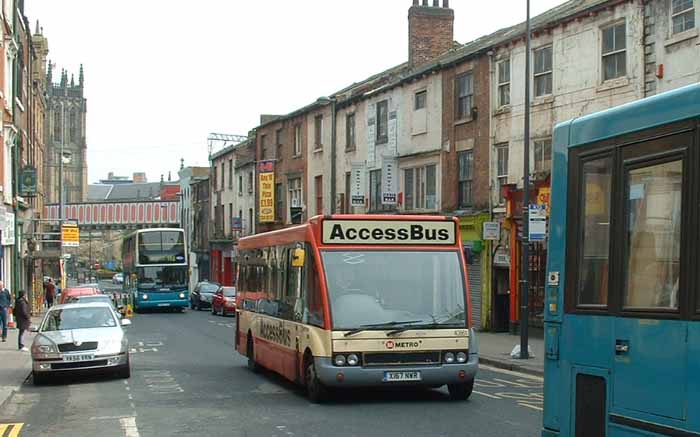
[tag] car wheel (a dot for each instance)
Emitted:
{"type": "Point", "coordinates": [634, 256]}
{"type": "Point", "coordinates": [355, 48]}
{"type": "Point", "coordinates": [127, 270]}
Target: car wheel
{"type": "Point", "coordinates": [315, 390]}
{"type": "Point", "coordinates": [39, 378]}
{"type": "Point", "coordinates": [125, 371]}
{"type": "Point", "coordinates": [461, 392]}
{"type": "Point", "coordinates": [250, 353]}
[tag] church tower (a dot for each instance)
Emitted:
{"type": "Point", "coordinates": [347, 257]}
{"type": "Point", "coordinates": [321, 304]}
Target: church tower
{"type": "Point", "coordinates": [67, 109]}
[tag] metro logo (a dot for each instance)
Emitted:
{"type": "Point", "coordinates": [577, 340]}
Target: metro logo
{"type": "Point", "coordinates": [388, 232]}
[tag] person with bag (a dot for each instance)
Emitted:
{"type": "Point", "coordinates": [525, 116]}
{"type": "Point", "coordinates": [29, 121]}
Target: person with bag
{"type": "Point", "coordinates": [5, 304]}
{"type": "Point", "coordinates": [22, 317]}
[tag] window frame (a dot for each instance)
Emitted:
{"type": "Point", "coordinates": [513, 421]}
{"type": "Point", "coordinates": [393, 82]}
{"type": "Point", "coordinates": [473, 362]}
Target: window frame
{"type": "Point", "coordinates": [640, 149]}
{"type": "Point", "coordinates": [502, 84]}
{"type": "Point", "coordinates": [318, 132]}
{"type": "Point", "coordinates": [499, 175]}
{"type": "Point", "coordinates": [420, 96]}
{"type": "Point", "coordinates": [469, 179]}
{"type": "Point", "coordinates": [318, 193]}
{"type": "Point", "coordinates": [297, 141]}
{"type": "Point", "coordinates": [614, 52]}
{"type": "Point", "coordinates": [541, 142]}
{"type": "Point", "coordinates": [673, 15]}
{"type": "Point", "coordinates": [468, 96]}
{"type": "Point", "coordinates": [537, 75]}
{"type": "Point", "coordinates": [382, 122]}
{"type": "Point", "coordinates": [419, 187]}
{"type": "Point", "coordinates": [350, 137]}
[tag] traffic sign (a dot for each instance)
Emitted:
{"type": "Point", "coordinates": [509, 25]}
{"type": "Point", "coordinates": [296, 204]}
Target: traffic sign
{"type": "Point", "coordinates": [537, 223]}
{"type": "Point", "coordinates": [70, 235]}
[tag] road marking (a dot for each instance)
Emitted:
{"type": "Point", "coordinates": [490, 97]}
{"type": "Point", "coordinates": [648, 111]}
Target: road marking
{"type": "Point", "coordinates": [486, 394]}
{"type": "Point", "coordinates": [161, 382]}
{"type": "Point", "coordinates": [129, 426]}
{"type": "Point", "coordinates": [531, 406]}
{"type": "Point", "coordinates": [518, 383]}
{"type": "Point", "coordinates": [109, 418]}
{"type": "Point", "coordinates": [14, 429]}
{"type": "Point", "coordinates": [510, 372]}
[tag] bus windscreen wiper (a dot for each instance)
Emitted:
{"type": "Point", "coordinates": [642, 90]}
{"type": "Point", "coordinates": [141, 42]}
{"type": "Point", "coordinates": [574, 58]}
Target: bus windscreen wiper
{"type": "Point", "coordinates": [379, 325]}
{"type": "Point", "coordinates": [430, 325]}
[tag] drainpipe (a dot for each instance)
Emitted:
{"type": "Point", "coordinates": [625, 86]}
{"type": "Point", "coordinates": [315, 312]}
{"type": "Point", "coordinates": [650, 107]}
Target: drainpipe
{"type": "Point", "coordinates": [333, 155]}
{"type": "Point", "coordinates": [491, 250]}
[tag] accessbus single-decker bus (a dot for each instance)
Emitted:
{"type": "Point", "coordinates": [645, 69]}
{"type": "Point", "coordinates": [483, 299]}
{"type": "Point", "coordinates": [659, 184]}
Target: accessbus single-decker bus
{"type": "Point", "coordinates": [358, 301]}
{"type": "Point", "coordinates": [622, 310]}
{"type": "Point", "coordinates": [155, 268]}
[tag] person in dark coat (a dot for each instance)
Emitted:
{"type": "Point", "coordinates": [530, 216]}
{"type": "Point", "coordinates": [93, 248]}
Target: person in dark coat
{"type": "Point", "coordinates": [22, 317]}
{"type": "Point", "coordinates": [50, 291]}
{"type": "Point", "coordinates": [5, 304]}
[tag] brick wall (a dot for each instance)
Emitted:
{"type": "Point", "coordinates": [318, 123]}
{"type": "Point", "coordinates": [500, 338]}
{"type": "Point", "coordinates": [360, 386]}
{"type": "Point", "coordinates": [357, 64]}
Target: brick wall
{"type": "Point", "coordinates": [430, 33]}
{"type": "Point", "coordinates": [464, 135]}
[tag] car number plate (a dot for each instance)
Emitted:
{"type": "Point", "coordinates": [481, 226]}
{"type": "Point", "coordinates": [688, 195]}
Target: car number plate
{"type": "Point", "coordinates": [401, 376]}
{"type": "Point", "coordinates": [83, 357]}
{"type": "Point", "coordinates": [163, 304]}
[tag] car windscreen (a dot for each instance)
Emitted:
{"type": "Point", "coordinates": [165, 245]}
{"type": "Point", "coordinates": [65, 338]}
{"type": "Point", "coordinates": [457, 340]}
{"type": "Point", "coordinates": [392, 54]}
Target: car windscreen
{"type": "Point", "coordinates": [208, 288]}
{"type": "Point", "coordinates": [378, 287]}
{"type": "Point", "coordinates": [79, 318]}
{"type": "Point", "coordinates": [229, 292]}
{"type": "Point", "coordinates": [96, 298]}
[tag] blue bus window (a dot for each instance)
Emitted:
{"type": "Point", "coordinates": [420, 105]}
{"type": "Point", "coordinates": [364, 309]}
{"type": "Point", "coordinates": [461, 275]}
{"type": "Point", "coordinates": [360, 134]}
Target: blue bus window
{"type": "Point", "coordinates": [595, 218]}
{"type": "Point", "coordinates": [654, 232]}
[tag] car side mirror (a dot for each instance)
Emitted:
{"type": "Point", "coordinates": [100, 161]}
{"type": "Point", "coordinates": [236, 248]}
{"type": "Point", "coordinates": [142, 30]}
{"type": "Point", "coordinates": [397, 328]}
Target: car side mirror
{"type": "Point", "coordinates": [34, 328]}
{"type": "Point", "coordinates": [126, 322]}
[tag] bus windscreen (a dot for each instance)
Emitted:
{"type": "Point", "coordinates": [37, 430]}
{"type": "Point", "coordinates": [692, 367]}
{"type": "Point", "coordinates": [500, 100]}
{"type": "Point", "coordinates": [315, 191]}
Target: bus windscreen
{"type": "Point", "coordinates": [163, 247]}
{"type": "Point", "coordinates": [162, 277]}
{"type": "Point", "coordinates": [379, 287]}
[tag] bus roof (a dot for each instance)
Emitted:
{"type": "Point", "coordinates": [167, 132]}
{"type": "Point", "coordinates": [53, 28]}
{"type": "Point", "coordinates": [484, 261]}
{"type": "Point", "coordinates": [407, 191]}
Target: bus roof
{"type": "Point", "coordinates": [672, 106]}
{"type": "Point", "coordinates": [312, 231]}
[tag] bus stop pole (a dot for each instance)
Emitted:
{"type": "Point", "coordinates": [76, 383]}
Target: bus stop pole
{"type": "Point", "coordinates": [525, 264]}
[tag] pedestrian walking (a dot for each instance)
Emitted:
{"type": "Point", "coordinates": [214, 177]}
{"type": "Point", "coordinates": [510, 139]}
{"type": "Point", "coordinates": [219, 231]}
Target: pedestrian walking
{"type": "Point", "coordinates": [22, 318]}
{"type": "Point", "coordinates": [5, 304]}
{"type": "Point", "coordinates": [49, 292]}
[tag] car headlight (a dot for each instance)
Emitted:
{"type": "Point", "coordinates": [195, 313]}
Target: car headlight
{"type": "Point", "coordinates": [182, 295]}
{"type": "Point", "coordinates": [43, 345]}
{"type": "Point", "coordinates": [461, 357]}
{"type": "Point", "coordinates": [202, 297]}
{"type": "Point", "coordinates": [144, 297]}
{"type": "Point", "coordinates": [339, 360]}
{"type": "Point", "coordinates": [449, 358]}
{"type": "Point", "coordinates": [353, 360]}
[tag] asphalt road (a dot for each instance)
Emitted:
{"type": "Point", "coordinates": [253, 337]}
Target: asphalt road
{"type": "Point", "coordinates": [187, 380]}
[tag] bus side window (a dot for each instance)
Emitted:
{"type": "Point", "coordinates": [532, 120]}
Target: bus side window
{"type": "Point", "coordinates": [293, 288]}
{"type": "Point", "coordinates": [313, 304]}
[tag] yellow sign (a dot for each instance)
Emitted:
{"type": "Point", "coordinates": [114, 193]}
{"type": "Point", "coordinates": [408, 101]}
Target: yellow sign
{"type": "Point", "coordinates": [267, 197]}
{"type": "Point", "coordinates": [70, 235]}
{"type": "Point", "coordinates": [543, 198]}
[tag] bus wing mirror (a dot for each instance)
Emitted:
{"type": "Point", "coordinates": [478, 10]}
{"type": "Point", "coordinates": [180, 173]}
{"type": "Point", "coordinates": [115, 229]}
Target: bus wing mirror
{"type": "Point", "coordinates": [298, 257]}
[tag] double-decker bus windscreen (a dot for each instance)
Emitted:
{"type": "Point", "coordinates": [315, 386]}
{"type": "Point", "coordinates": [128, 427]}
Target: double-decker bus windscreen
{"type": "Point", "coordinates": [161, 247]}
{"type": "Point", "coordinates": [162, 277]}
{"type": "Point", "coordinates": [370, 289]}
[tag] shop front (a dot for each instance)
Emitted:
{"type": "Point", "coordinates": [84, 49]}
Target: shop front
{"type": "Point", "coordinates": [478, 256]}
{"type": "Point", "coordinates": [221, 260]}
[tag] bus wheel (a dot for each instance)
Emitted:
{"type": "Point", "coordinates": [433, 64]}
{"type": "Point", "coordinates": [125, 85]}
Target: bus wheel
{"type": "Point", "coordinates": [315, 390]}
{"type": "Point", "coordinates": [461, 392]}
{"type": "Point", "coordinates": [252, 365]}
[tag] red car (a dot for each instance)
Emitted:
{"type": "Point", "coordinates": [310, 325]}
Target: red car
{"type": "Point", "coordinates": [224, 301]}
{"type": "Point", "coordinates": [77, 291]}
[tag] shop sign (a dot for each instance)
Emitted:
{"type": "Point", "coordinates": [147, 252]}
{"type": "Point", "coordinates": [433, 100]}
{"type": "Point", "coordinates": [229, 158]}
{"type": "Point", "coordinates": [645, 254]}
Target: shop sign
{"type": "Point", "coordinates": [389, 180]}
{"type": "Point", "coordinates": [358, 185]}
{"type": "Point", "coordinates": [537, 222]}
{"type": "Point", "coordinates": [266, 174]}
{"type": "Point", "coordinates": [8, 229]}
{"type": "Point", "coordinates": [492, 231]}
{"type": "Point", "coordinates": [70, 235]}
{"type": "Point", "coordinates": [27, 182]}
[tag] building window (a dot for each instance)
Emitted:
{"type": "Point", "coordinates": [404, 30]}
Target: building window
{"type": "Point", "coordinates": [543, 71]}
{"type": "Point", "coordinates": [230, 174]}
{"type": "Point", "coordinates": [250, 220]}
{"type": "Point", "coordinates": [348, 179]}
{"type": "Point", "coordinates": [420, 100]}
{"type": "Point", "coordinates": [614, 52]}
{"type": "Point", "coordinates": [543, 155]}
{"type": "Point", "coordinates": [420, 187]}
{"type": "Point", "coordinates": [318, 132]}
{"type": "Point", "coordinates": [263, 147]}
{"type": "Point", "coordinates": [73, 125]}
{"type": "Point", "coordinates": [504, 83]}
{"type": "Point", "coordinates": [279, 202]}
{"type": "Point", "coordinates": [57, 127]}
{"type": "Point", "coordinates": [297, 140]}
{"type": "Point", "coordinates": [295, 193]}
{"type": "Point", "coordinates": [318, 188]}
{"type": "Point", "coordinates": [240, 185]}
{"type": "Point", "coordinates": [278, 143]}
{"type": "Point", "coordinates": [682, 15]}
{"type": "Point", "coordinates": [465, 95]}
{"type": "Point", "coordinates": [383, 122]}
{"type": "Point", "coordinates": [250, 182]}
{"type": "Point", "coordinates": [466, 176]}
{"type": "Point", "coordinates": [223, 174]}
{"type": "Point", "coordinates": [375, 187]}
{"type": "Point", "coordinates": [229, 219]}
{"type": "Point", "coordinates": [501, 169]}
{"type": "Point", "coordinates": [350, 131]}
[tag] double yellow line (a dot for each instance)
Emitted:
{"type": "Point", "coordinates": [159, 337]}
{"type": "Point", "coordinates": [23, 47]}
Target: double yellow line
{"type": "Point", "coordinates": [10, 429]}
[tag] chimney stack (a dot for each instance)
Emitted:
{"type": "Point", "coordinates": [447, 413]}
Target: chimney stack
{"type": "Point", "coordinates": [430, 31]}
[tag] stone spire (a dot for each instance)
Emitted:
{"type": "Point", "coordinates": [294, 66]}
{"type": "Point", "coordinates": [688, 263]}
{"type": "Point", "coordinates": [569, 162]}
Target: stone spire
{"type": "Point", "coordinates": [49, 74]}
{"type": "Point", "coordinates": [72, 80]}
{"type": "Point", "coordinates": [81, 77]}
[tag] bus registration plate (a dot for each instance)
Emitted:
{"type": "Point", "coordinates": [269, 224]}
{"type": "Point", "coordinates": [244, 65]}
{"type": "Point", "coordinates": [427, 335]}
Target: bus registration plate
{"type": "Point", "coordinates": [401, 376]}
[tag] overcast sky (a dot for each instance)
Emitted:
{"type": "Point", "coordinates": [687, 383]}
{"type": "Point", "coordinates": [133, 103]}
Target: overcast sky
{"type": "Point", "coordinates": [162, 74]}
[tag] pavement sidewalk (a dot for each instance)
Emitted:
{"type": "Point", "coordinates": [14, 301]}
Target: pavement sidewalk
{"type": "Point", "coordinates": [15, 366]}
{"type": "Point", "coordinates": [495, 349]}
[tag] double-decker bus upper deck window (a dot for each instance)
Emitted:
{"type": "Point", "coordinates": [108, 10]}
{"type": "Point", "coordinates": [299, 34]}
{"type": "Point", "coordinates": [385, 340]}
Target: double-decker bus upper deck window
{"type": "Point", "coordinates": [654, 197]}
{"type": "Point", "coordinates": [595, 220]}
{"type": "Point", "coordinates": [162, 247]}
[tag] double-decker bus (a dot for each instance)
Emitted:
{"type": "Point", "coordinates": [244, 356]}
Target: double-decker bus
{"type": "Point", "coordinates": [358, 300]}
{"type": "Point", "coordinates": [155, 268]}
{"type": "Point", "coordinates": [622, 312]}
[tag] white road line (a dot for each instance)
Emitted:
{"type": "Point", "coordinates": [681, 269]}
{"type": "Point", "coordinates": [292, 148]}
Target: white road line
{"type": "Point", "coordinates": [487, 395]}
{"type": "Point", "coordinates": [110, 417]}
{"type": "Point", "coordinates": [516, 384]}
{"type": "Point", "coordinates": [133, 407]}
{"type": "Point", "coordinates": [510, 372]}
{"type": "Point", "coordinates": [130, 397]}
{"type": "Point", "coordinates": [129, 426]}
{"type": "Point", "coordinates": [530, 406]}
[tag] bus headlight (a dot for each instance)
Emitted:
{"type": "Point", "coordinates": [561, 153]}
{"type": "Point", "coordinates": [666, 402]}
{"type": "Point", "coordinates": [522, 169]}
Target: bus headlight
{"type": "Point", "coordinates": [461, 357]}
{"type": "Point", "coordinates": [182, 295]}
{"type": "Point", "coordinates": [144, 297]}
{"type": "Point", "coordinates": [353, 360]}
{"type": "Point", "coordinates": [449, 358]}
{"type": "Point", "coordinates": [339, 360]}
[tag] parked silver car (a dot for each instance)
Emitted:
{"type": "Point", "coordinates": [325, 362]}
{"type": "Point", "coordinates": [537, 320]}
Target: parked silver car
{"type": "Point", "coordinates": [80, 336]}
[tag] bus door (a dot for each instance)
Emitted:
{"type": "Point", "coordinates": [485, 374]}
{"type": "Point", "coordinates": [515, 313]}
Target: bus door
{"type": "Point", "coordinates": [650, 334]}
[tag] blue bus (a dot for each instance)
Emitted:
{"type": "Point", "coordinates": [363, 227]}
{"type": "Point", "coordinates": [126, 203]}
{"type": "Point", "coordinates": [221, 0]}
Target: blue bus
{"type": "Point", "coordinates": [622, 308]}
{"type": "Point", "coordinates": [155, 269]}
